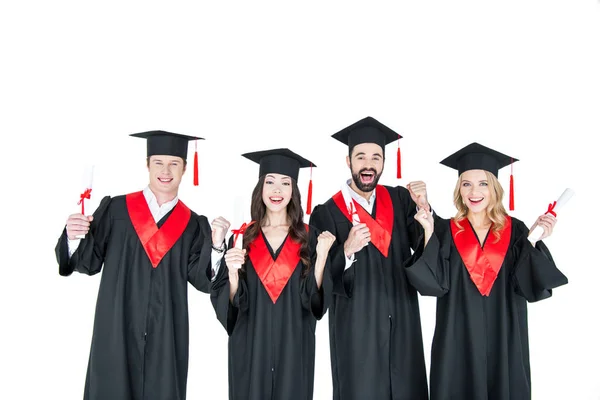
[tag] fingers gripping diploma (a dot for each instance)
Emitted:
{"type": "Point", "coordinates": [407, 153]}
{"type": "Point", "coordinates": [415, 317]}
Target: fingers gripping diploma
{"type": "Point", "coordinates": [235, 258]}
{"type": "Point", "coordinates": [543, 227]}
{"type": "Point", "coordinates": [359, 237]}
{"type": "Point", "coordinates": [545, 222]}
{"type": "Point", "coordinates": [78, 225]}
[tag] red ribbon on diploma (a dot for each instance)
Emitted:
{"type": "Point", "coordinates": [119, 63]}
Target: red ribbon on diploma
{"type": "Point", "coordinates": [240, 231]}
{"type": "Point", "coordinates": [551, 209]}
{"type": "Point", "coordinates": [84, 195]}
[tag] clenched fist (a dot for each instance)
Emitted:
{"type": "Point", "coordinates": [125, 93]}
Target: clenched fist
{"type": "Point", "coordinates": [219, 228]}
{"type": "Point", "coordinates": [418, 193]}
{"type": "Point", "coordinates": [324, 243]}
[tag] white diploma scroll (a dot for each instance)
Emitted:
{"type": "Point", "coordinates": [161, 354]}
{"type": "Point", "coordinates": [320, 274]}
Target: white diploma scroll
{"type": "Point", "coordinates": [239, 216]}
{"type": "Point", "coordinates": [86, 181]}
{"type": "Point", "coordinates": [562, 200]}
{"type": "Point", "coordinates": [350, 204]}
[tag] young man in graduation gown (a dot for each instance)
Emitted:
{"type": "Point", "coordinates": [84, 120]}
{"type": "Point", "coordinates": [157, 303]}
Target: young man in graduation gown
{"type": "Point", "coordinates": [148, 245]}
{"type": "Point", "coordinates": [270, 306]}
{"type": "Point", "coordinates": [374, 323]}
{"type": "Point", "coordinates": [484, 271]}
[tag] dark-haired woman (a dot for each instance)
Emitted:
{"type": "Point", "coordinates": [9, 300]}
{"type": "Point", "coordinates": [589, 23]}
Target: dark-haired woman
{"type": "Point", "coordinates": [271, 304]}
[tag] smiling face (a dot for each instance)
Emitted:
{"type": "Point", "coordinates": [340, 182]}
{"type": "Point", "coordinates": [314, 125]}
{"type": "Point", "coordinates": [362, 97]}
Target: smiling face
{"type": "Point", "coordinates": [475, 191]}
{"type": "Point", "coordinates": [277, 192]}
{"type": "Point", "coordinates": [366, 166]}
{"type": "Point", "coordinates": [165, 174]}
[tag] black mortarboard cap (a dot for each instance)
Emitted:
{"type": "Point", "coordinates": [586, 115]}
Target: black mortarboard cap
{"type": "Point", "coordinates": [169, 144]}
{"type": "Point", "coordinates": [367, 130]}
{"type": "Point", "coordinates": [166, 143]}
{"type": "Point", "coordinates": [477, 156]}
{"type": "Point", "coordinates": [279, 161]}
{"type": "Point", "coordinates": [285, 162]}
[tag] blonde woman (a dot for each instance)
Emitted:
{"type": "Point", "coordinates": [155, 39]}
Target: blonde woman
{"type": "Point", "coordinates": [483, 270]}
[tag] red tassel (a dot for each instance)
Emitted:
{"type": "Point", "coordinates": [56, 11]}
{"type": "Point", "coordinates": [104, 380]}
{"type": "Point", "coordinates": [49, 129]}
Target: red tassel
{"type": "Point", "coordinates": [196, 165]}
{"type": "Point", "coordinates": [398, 161]}
{"type": "Point", "coordinates": [309, 200]}
{"type": "Point", "coordinates": [511, 198]}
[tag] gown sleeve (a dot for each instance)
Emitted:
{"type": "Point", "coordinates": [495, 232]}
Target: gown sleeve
{"type": "Point", "coordinates": [428, 269]}
{"type": "Point", "coordinates": [342, 279]}
{"type": "Point", "coordinates": [199, 263]}
{"type": "Point", "coordinates": [414, 228]}
{"type": "Point", "coordinates": [89, 256]}
{"type": "Point", "coordinates": [227, 312]}
{"type": "Point", "coordinates": [316, 300]}
{"type": "Point", "coordinates": [535, 274]}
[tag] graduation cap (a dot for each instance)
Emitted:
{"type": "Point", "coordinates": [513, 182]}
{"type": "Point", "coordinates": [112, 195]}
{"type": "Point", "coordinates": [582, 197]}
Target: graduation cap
{"type": "Point", "coordinates": [170, 144]}
{"type": "Point", "coordinates": [285, 162]}
{"type": "Point", "coordinates": [477, 156]}
{"type": "Point", "coordinates": [369, 130]}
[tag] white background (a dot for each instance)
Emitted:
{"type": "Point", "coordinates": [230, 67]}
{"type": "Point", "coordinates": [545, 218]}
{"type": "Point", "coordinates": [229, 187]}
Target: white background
{"type": "Point", "coordinates": [76, 78]}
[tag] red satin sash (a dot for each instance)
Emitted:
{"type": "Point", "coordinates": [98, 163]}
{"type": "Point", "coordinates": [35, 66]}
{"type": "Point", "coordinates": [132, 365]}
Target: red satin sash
{"type": "Point", "coordinates": [381, 226]}
{"type": "Point", "coordinates": [274, 274]}
{"type": "Point", "coordinates": [156, 242]}
{"type": "Point", "coordinates": [483, 264]}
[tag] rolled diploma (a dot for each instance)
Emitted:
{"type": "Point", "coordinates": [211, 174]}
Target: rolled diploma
{"type": "Point", "coordinates": [562, 200]}
{"type": "Point", "coordinates": [238, 245]}
{"type": "Point", "coordinates": [239, 216]}
{"type": "Point", "coordinates": [87, 180]}
{"type": "Point", "coordinates": [350, 204]}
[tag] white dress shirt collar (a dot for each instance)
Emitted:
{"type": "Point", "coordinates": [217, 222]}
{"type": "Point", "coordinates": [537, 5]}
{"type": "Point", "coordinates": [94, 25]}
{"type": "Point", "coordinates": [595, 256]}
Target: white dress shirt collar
{"type": "Point", "coordinates": [158, 212]}
{"type": "Point", "coordinates": [366, 204]}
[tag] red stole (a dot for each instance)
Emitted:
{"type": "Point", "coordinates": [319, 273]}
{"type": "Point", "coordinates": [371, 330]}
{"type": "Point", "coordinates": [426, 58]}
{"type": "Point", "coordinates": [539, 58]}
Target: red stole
{"type": "Point", "coordinates": [381, 226]}
{"type": "Point", "coordinates": [156, 242]}
{"type": "Point", "coordinates": [274, 274]}
{"type": "Point", "coordinates": [483, 264]}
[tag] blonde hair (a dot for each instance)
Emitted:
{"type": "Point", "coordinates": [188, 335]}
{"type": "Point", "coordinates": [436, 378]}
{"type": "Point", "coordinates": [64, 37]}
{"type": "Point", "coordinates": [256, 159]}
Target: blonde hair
{"type": "Point", "coordinates": [495, 210]}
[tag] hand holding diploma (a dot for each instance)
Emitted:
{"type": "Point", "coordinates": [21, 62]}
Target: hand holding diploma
{"type": "Point", "coordinates": [235, 256]}
{"type": "Point", "coordinates": [350, 204]}
{"type": "Point", "coordinates": [545, 223]}
{"type": "Point", "coordinates": [86, 193]}
{"type": "Point", "coordinates": [79, 224]}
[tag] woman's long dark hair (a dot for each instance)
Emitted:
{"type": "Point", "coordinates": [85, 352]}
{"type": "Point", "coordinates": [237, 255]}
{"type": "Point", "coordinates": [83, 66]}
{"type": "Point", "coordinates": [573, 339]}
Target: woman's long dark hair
{"type": "Point", "coordinates": [295, 214]}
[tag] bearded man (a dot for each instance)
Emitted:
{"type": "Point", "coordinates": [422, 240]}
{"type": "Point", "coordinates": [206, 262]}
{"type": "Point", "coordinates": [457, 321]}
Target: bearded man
{"type": "Point", "coordinates": [375, 335]}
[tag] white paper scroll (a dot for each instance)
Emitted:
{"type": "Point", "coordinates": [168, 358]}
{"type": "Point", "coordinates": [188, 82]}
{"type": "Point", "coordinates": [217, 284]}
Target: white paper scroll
{"type": "Point", "coordinates": [87, 181]}
{"type": "Point", "coordinates": [350, 204]}
{"type": "Point", "coordinates": [239, 220]}
{"type": "Point", "coordinates": [562, 200]}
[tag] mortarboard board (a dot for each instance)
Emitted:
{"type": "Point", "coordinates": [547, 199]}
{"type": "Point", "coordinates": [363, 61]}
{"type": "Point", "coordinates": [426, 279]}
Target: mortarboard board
{"type": "Point", "coordinates": [369, 130]}
{"type": "Point", "coordinates": [282, 161]}
{"type": "Point", "coordinates": [477, 156]}
{"type": "Point", "coordinates": [169, 144]}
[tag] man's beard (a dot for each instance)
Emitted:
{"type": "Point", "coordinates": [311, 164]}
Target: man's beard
{"type": "Point", "coordinates": [366, 187]}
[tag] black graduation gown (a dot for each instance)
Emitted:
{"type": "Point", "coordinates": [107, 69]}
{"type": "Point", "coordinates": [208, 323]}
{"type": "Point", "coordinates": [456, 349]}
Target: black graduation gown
{"type": "Point", "coordinates": [480, 347]}
{"type": "Point", "coordinates": [272, 346]}
{"type": "Point", "coordinates": [375, 336]}
{"type": "Point", "coordinates": [140, 341]}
